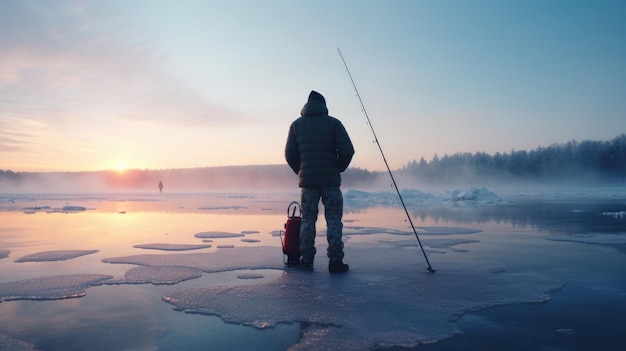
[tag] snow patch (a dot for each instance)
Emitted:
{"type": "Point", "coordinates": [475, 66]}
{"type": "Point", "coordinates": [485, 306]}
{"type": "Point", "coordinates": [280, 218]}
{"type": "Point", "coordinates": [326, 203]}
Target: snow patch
{"type": "Point", "coordinates": [217, 235]}
{"type": "Point", "coordinates": [58, 255]}
{"type": "Point", "coordinates": [171, 247]}
{"type": "Point", "coordinates": [50, 288]}
{"type": "Point", "coordinates": [157, 275]}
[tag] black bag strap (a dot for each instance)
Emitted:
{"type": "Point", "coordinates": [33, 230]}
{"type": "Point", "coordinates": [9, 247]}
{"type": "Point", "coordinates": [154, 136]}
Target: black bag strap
{"type": "Point", "coordinates": [296, 206]}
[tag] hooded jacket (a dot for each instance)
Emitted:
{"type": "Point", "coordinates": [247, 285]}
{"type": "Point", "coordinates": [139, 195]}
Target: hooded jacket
{"type": "Point", "coordinates": [318, 147]}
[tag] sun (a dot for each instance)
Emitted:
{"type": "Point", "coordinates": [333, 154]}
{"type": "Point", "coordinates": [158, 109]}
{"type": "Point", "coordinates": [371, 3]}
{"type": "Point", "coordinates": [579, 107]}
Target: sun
{"type": "Point", "coordinates": [121, 168]}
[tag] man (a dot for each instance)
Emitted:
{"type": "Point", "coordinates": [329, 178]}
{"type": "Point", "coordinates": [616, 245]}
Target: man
{"type": "Point", "coordinates": [318, 149]}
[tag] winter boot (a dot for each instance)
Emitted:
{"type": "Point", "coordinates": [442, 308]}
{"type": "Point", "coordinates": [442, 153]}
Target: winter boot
{"type": "Point", "coordinates": [337, 267]}
{"type": "Point", "coordinates": [292, 261]}
{"type": "Point", "coordinates": [306, 265]}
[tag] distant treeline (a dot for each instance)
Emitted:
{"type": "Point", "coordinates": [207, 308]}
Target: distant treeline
{"type": "Point", "coordinates": [586, 163]}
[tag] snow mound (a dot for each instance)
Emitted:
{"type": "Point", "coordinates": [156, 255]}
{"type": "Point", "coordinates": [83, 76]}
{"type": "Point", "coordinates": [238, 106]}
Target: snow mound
{"type": "Point", "coordinates": [59, 255]}
{"type": "Point", "coordinates": [171, 247]}
{"type": "Point", "coordinates": [50, 288]}
{"type": "Point", "coordinates": [217, 235]}
{"type": "Point", "coordinates": [157, 275]}
{"type": "Point", "coordinates": [594, 238]}
{"type": "Point", "coordinates": [471, 194]}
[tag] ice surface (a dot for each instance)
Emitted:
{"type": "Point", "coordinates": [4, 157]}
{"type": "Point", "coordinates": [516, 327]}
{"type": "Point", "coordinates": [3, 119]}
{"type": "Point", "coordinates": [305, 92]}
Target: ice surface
{"type": "Point", "coordinates": [8, 343]}
{"type": "Point", "coordinates": [157, 275]}
{"type": "Point", "coordinates": [593, 238]}
{"type": "Point", "coordinates": [4, 253]}
{"type": "Point", "coordinates": [217, 235]}
{"type": "Point", "coordinates": [59, 255]}
{"type": "Point", "coordinates": [49, 288]}
{"type": "Point", "coordinates": [171, 247]}
{"type": "Point", "coordinates": [386, 299]}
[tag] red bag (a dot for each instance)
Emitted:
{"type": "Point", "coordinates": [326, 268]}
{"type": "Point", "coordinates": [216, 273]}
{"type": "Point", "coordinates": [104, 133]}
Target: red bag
{"type": "Point", "coordinates": [291, 243]}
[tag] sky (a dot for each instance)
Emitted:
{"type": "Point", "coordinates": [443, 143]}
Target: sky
{"type": "Point", "coordinates": [147, 84]}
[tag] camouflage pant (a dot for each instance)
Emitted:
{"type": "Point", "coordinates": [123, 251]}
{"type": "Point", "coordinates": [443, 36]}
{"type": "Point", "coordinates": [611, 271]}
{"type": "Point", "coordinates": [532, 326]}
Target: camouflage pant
{"type": "Point", "coordinates": [333, 211]}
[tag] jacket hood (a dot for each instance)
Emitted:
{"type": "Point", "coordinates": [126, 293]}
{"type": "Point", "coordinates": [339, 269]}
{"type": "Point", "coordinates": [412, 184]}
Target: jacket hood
{"type": "Point", "coordinates": [314, 108]}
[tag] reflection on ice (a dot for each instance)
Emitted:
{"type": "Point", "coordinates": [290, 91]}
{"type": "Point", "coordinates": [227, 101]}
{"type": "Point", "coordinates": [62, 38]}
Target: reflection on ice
{"type": "Point", "coordinates": [49, 288]}
{"type": "Point", "coordinates": [58, 255]}
{"type": "Point", "coordinates": [171, 247]}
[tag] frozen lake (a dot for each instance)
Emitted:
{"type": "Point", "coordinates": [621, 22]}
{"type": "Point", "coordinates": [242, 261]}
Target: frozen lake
{"type": "Point", "coordinates": [516, 271]}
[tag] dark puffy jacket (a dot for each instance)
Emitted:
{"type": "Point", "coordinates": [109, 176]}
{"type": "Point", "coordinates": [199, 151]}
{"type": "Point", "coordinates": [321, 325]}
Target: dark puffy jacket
{"type": "Point", "coordinates": [318, 147]}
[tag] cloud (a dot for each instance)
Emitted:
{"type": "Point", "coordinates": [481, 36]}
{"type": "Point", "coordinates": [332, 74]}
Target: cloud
{"type": "Point", "coordinates": [66, 63]}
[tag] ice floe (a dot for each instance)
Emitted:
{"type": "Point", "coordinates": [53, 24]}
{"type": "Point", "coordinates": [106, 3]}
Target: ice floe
{"type": "Point", "coordinates": [4, 253]}
{"type": "Point", "coordinates": [386, 299]}
{"type": "Point", "coordinates": [171, 247]}
{"type": "Point", "coordinates": [217, 235]}
{"type": "Point", "coordinates": [11, 344]}
{"type": "Point", "coordinates": [57, 255]}
{"type": "Point", "coordinates": [157, 275]}
{"type": "Point", "coordinates": [50, 288]}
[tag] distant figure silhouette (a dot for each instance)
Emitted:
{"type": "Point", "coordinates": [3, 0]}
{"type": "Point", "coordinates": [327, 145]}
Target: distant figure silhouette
{"type": "Point", "coordinates": [160, 186]}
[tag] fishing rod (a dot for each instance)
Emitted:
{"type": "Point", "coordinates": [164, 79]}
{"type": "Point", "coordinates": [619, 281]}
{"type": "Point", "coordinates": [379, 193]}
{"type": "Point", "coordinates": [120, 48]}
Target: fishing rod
{"type": "Point", "coordinates": [393, 180]}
